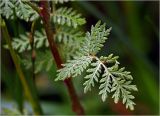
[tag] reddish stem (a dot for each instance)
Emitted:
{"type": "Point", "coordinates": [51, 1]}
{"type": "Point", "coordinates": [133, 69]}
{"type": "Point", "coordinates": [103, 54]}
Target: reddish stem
{"type": "Point", "coordinates": [45, 15]}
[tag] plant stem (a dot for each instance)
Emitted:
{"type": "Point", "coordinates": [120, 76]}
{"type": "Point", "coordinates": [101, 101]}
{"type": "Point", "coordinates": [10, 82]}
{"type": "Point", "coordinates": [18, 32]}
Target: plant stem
{"type": "Point", "coordinates": [33, 54]}
{"type": "Point", "coordinates": [45, 15]}
{"type": "Point", "coordinates": [35, 104]}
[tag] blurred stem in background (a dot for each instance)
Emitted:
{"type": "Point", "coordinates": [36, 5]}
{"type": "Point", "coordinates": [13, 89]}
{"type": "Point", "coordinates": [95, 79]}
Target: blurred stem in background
{"type": "Point", "coordinates": [33, 53]}
{"type": "Point", "coordinates": [30, 95]}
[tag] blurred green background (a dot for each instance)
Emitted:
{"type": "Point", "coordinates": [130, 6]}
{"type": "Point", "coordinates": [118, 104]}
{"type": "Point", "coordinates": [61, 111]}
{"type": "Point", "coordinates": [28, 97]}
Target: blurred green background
{"type": "Point", "coordinates": [134, 37]}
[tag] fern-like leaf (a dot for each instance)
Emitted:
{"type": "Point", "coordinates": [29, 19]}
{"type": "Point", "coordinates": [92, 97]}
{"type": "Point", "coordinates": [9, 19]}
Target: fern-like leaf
{"type": "Point", "coordinates": [40, 39]}
{"type": "Point", "coordinates": [68, 16]}
{"type": "Point", "coordinates": [95, 39]}
{"type": "Point", "coordinates": [109, 59]}
{"type": "Point", "coordinates": [93, 76]}
{"type": "Point", "coordinates": [7, 7]}
{"type": "Point", "coordinates": [113, 79]}
{"type": "Point", "coordinates": [74, 67]}
{"type": "Point", "coordinates": [22, 43]}
{"type": "Point", "coordinates": [105, 85]}
{"type": "Point", "coordinates": [24, 11]}
{"type": "Point", "coordinates": [114, 70]}
{"type": "Point", "coordinates": [62, 1]}
{"type": "Point", "coordinates": [68, 35]}
{"type": "Point", "coordinates": [123, 87]}
{"type": "Point", "coordinates": [70, 39]}
{"type": "Point", "coordinates": [10, 8]}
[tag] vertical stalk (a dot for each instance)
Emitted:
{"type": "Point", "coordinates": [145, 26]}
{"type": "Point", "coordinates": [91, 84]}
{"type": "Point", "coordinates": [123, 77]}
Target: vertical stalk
{"type": "Point", "coordinates": [45, 15]}
{"type": "Point", "coordinates": [34, 102]}
{"type": "Point", "coordinates": [33, 58]}
{"type": "Point", "coordinates": [33, 54]}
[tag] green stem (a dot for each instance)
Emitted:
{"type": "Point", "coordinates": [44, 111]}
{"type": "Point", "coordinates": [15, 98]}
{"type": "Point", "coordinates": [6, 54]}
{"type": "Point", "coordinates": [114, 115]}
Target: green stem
{"type": "Point", "coordinates": [33, 54]}
{"type": "Point", "coordinates": [33, 101]}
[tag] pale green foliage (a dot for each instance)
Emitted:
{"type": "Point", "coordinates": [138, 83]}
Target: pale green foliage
{"type": "Point", "coordinates": [10, 8]}
{"type": "Point", "coordinates": [114, 70]}
{"type": "Point", "coordinates": [109, 59]}
{"type": "Point", "coordinates": [105, 85]}
{"type": "Point", "coordinates": [6, 8]}
{"type": "Point", "coordinates": [70, 40]}
{"type": "Point", "coordinates": [68, 35]}
{"type": "Point", "coordinates": [74, 67]}
{"type": "Point", "coordinates": [93, 76]}
{"type": "Point", "coordinates": [95, 39]}
{"type": "Point", "coordinates": [67, 16]}
{"type": "Point", "coordinates": [62, 1]}
{"type": "Point", "coordinates": [23, 42]}
{"type": "Point", "coordinates": [40, 39]}
{"type": "Point", "coordinates": [113, 79]}
{"type": "Point", "coordinates": [123, 87]}
{"type": "Point", "coordinates": [24, 11]}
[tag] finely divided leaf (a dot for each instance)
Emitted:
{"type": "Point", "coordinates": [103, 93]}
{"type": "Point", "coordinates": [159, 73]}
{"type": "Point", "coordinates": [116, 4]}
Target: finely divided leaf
{"type": "Point", "coordinates": [114, 79]}
{"type": "Point", "coordinates": [93, 76]}
{"type": "Point", "coordinates": [123, 88]}
{"type": "Point", "coordinates": [24, 11]}
{"type": "Point", "coordinates": [18, 7]}
{"type": "Point", "coordinates": [114, 70]}
{"type": "Point", "coordinates": [68, 35]}
{"type": "Point", "coordinates": [62, 1]}
{"type": "Point", "coordinates": [74, 67]}
{"type": "Point", "coordinates": [22, 42]}
{"type": "Point", "coordinates": [105, 85]}
{"type": "Point", "coordinates": [94, 40]}
{"type": "Point", "coordinates": [69, 17]}
{"type": "Point", "coordinates": [7, 7]}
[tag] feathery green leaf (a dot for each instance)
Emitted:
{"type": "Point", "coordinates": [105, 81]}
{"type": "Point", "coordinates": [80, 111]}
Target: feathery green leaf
{"type": "Point", "coordinates": [24, 11]}
{"type": "Point", "coordinates": [7, 7]}
{"type": "Point", "coordinates": [105, 85]}
{"type": "Point", "coordinates": [62, 1]}
{"type": "Point", "coordinates": [74, 67]}
{"type": "Point", "coordinates": [10, 8]}
{"type": "Point", "coordinates": [67, 16]}
{"type": "Point", "coordinates": [122, 87]}
{"type": "Point", "coordinates": [22, 43]}
{"type": "Point", "coordinates": [68, 35]}
{"type": "Point", "coordinates": [114, 79]}
{"type": "Point", "coordinates": [93, 76]}
{"type": "Point", "coordinates": [94, 40]}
